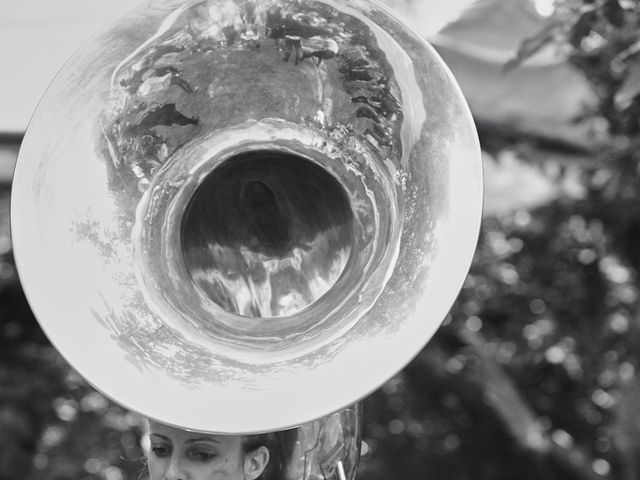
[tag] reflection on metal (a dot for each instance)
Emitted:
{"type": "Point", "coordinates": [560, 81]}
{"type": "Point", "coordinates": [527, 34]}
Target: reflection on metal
{"type": "Point", "coordinates": [267, 234]}
{"type": "Point", "coordinates": [328, 448]}
{"type": "Point", "coordinates": [239, 216]}
{"type": "Point", "coordinates": [341, 474]}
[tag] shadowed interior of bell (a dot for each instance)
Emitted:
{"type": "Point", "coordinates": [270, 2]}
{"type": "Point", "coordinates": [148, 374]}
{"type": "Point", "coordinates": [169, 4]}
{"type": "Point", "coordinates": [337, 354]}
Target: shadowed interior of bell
{"type": "Point", "coordinates": [267, 233]}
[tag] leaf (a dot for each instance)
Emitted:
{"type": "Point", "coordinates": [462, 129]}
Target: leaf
{"type": "Point", "coordinates": [582, 27]}
{"type": "Point", "coordinates": [532, 45]}
{"type": "Point", "coordinates": [614, 13]}
{"type": "Point", "coordinates": [630, 88]}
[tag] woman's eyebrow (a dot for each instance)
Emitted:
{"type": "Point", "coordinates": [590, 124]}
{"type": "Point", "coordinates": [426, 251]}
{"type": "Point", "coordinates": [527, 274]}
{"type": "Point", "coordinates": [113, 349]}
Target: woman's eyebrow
{"type": "Point", "coordinates": [202, 439]}
{"type": "Point", "coordinates": [161, 436]}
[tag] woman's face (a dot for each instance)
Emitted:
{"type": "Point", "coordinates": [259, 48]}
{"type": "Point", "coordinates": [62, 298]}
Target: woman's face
{"type": "Point", "coordinates": [180, 455]}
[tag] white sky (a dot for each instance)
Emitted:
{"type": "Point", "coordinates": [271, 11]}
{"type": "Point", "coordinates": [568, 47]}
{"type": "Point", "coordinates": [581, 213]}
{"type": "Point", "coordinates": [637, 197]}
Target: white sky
{"type": "Point", "coordinates": [38, 36]}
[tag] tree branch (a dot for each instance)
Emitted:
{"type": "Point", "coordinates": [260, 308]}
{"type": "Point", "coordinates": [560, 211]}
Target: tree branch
{"type": "Point", "coordinates": [482, 378]}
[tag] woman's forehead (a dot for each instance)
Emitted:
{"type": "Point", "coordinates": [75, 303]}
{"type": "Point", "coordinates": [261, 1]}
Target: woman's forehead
{"type": "Point", "coordinates": [180, 435]}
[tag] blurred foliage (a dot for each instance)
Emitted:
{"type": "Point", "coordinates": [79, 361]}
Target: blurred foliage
{"type": "Point", "coordinates": [532, 376]}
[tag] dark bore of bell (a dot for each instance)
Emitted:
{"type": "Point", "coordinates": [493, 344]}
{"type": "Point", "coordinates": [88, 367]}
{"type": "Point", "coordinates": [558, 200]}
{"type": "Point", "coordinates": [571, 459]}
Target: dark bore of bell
{"type": "Point", "coordinates": [263, 205]}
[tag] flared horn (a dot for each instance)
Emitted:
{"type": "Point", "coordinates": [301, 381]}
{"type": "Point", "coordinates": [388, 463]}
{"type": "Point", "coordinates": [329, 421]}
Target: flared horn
{"type": "Point", "coordinates": [240, 216]}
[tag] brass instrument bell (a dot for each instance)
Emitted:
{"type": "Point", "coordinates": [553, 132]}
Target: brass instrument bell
{"type": "Point", "coordinates": [240, 216]}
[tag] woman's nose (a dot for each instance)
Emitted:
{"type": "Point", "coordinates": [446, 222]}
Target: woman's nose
{"type": "Point", "coordinates": [175, 469]}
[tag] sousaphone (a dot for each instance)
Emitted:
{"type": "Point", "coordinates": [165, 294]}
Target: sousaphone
{"type": "Point", "coordinates": [240, 216]}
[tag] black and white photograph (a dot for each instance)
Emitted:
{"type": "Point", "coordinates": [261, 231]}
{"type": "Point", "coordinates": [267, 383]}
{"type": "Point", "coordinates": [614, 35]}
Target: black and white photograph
{"type": "Point", "coordinates": [320, 240]}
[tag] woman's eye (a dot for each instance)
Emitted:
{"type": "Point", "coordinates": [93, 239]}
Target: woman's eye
{"type": "Point", "coordinates": [161, 452]}
{"type": "Point", "coordinates": [201, 456]}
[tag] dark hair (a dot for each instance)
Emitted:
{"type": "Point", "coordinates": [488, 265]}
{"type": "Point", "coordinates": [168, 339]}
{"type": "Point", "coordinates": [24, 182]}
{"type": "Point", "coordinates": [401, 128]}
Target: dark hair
{"type": "Point", "coordinates": [280, 445]}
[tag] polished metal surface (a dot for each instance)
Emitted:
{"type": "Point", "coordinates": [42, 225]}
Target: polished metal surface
{"type": "Point", "coordinates": [267, 234]}
{"type": "Point", "coordinates": [327, 448]}
{"type": "Point", "coordinates": [239, 216]}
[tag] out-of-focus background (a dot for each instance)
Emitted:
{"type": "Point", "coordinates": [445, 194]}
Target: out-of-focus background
{"type": "Point", "coordinates": [534, 373]}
